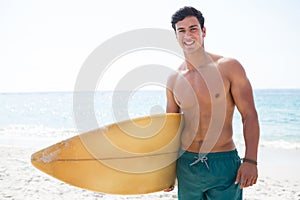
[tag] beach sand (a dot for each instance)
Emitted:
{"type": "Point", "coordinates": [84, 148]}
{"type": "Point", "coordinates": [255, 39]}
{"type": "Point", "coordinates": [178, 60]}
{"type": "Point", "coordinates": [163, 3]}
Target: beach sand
{"type": "Point", "coordinates": [279, 178]}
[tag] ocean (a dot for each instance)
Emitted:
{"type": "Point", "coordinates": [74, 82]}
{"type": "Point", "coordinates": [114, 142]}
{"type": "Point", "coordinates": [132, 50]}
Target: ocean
{"type": "Point", "coordinates": [41, 119]}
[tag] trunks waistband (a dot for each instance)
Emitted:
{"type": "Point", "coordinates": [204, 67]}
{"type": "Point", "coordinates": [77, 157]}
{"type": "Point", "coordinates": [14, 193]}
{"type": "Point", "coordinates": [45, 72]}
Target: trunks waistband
{"type": "Point", "coordinates": [203, 157]}
{"type": "Point", "coordinates": [225, 154]}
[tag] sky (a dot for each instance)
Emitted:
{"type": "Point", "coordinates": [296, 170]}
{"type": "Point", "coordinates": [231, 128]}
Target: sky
{"type": "Point", "coordinates": [43, 44]}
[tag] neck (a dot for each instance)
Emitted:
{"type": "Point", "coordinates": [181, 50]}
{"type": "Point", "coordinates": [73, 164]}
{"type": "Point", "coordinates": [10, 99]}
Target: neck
{"type": "Point", "coordinates": [197, 59]}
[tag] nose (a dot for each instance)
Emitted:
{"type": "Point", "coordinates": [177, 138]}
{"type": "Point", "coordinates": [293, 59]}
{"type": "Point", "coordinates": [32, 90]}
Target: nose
{"type": "Point", "coordinates": [187, 34]}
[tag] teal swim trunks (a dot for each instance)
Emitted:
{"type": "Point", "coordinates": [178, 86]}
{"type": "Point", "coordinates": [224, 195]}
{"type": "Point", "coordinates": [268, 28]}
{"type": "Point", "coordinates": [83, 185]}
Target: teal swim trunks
{"type": "Point", "coordinates": [209, 176]}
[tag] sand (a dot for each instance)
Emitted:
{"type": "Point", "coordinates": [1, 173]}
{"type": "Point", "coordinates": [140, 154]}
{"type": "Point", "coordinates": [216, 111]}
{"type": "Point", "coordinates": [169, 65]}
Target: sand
{"type": "Point", "coordinates": [279, 178]}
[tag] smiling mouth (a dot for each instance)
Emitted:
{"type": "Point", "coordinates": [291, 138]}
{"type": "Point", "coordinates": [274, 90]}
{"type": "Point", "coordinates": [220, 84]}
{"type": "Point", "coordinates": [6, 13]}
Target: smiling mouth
{"type": "Point", "coordinates": [189, 43]}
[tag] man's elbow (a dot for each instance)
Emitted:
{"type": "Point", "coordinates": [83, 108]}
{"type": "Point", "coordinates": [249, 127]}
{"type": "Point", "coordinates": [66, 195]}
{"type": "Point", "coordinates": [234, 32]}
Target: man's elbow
{"type": "Point", "coordinates": [250, 115]}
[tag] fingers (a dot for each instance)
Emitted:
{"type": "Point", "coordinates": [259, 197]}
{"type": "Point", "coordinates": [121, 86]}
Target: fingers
{"type": "Point", "coordinates": [246, 175]}
{"type": "Point", "coordinates": [246, 182]}
{"type": "Point", "coordinates": [169, 189]}
{"type": "Point", "coordinates": [238, 177]}
{"type": "Point", "coordinates": [243, 183]}
{"type": "Point", "coordinates": [255, 180]}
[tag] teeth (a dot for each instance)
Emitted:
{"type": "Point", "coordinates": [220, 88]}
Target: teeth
{"type": "Point", "coordinates": [189, 43]}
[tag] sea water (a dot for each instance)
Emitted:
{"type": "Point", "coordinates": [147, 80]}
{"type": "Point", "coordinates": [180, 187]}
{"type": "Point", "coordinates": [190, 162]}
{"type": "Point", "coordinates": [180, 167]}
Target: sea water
{"type": "Point", "coordinates": [39, 119]}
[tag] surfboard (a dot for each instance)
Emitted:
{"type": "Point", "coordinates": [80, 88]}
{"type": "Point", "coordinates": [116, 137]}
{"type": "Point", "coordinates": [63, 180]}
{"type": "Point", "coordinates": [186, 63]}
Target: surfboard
{"type": "Point", "coordinates": [135, 156]}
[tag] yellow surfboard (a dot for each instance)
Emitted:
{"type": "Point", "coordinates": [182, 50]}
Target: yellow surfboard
{"type": "Point", "coordinates": [136, 156]}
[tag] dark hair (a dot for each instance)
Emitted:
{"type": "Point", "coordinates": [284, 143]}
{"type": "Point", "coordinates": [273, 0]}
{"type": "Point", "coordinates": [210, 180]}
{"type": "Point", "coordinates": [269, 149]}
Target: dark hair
{"type": "Point", "coordinates": [186, 12]}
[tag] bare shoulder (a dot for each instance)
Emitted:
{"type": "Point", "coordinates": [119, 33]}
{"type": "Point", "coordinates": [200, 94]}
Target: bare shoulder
{"type": "Point", "coordinates": [173, 76]}
{"type": "Point", "coordinates": [227, 65]}
{"type": "Point", "coordinates": [230, 63]}
{"type": "Point", "coordinates": [171, 80]}
{"type": "Point", "coordinates": [231, 67]}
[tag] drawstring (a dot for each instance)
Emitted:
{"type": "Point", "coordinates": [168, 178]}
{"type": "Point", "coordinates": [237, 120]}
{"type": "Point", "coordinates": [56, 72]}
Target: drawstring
{"type": "Point", "coordinates": [201, 158]}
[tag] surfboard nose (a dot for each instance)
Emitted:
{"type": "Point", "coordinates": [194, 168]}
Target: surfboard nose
{"type": "Point", "coordinates": [39, 161]}
{"type": "Point", "coordinates": [44, 159]}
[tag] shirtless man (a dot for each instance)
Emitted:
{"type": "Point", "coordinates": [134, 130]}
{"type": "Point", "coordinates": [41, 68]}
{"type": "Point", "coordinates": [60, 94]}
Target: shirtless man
{"type": "Point", "coordinates": [206, 89]}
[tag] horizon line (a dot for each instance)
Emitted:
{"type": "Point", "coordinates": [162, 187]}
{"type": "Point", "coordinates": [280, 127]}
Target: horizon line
{"type": "Point", "coordinates": [111, 90]}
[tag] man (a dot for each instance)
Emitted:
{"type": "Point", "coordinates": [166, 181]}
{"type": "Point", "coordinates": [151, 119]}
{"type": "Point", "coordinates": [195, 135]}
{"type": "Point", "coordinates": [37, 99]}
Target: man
{"type": "Point", "coordinates": [206, 89]}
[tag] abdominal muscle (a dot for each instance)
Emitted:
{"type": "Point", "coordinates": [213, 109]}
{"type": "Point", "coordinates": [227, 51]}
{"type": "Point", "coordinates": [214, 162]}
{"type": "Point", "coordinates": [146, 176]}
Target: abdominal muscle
{"type": "Point", "coordinates": [204, 139]}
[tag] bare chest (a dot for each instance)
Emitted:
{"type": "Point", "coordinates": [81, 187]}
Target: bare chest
{"type": "Point", "coordinates": [200, 88]}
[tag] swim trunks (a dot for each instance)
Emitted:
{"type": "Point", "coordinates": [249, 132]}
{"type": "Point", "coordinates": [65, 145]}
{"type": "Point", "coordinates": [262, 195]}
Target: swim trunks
{"type": "Point", "coordinates": [208, 176]}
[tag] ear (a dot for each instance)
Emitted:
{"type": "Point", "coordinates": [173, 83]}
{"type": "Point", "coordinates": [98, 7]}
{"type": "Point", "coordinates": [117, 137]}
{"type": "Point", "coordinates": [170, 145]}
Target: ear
{"type": "Point", "coordinates": [204, 31]}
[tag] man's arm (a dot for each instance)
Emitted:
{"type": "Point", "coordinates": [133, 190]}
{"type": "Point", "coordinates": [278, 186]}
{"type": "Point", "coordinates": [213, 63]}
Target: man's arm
{"type": "Point", "coordinates": [242, 94]}
{"type": "Point", "coordinates": [171, 106]}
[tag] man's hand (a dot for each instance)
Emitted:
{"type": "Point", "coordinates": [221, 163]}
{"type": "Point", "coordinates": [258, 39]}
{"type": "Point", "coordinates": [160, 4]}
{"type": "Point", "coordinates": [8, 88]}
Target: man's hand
{"type": "Point", "coordinates": [248, 174]}
{"type": "Point", "coordinates": [169, 189]}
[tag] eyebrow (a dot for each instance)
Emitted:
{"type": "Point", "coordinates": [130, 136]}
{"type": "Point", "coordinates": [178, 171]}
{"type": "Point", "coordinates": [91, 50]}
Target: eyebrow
{"type": "Point", "coordinates": [178, 29]}
{"type": "Point", "coordinates": [192, 26]}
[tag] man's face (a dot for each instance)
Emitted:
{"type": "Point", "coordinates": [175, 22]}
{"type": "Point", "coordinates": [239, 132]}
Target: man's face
{"type": "Point", "coordinates": [189, 34]}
